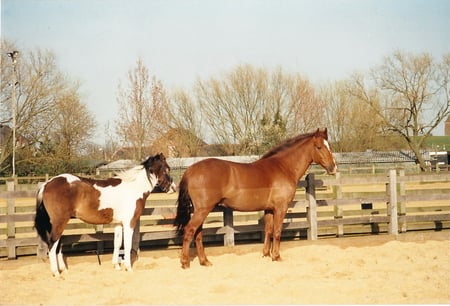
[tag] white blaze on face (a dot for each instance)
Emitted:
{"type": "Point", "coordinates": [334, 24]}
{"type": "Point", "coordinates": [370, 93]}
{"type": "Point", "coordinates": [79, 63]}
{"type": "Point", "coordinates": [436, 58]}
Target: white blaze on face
{"type": "Point", "coordinates": [327, 145]}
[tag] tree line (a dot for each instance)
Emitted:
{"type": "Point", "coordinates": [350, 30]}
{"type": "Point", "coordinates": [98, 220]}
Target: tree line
{"type": "Point", "coordinates": [247, 110]}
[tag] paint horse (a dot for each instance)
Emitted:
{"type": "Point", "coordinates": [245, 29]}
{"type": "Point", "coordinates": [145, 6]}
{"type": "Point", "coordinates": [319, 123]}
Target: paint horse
{"type": "Point", "coordinates": [118, 199]}
{"type": "Point", "coordinates": [267, 184]}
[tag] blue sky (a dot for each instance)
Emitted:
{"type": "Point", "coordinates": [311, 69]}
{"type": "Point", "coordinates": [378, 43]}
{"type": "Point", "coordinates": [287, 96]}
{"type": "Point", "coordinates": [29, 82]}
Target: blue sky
{"type": "Point", "coordinates": [98, 41]}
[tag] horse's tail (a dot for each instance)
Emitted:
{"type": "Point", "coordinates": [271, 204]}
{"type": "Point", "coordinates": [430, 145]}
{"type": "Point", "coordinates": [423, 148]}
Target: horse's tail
{"type": "Point", "coordinates": [42, 219]}
{"type": "Point", "coordinates": [184, 207]}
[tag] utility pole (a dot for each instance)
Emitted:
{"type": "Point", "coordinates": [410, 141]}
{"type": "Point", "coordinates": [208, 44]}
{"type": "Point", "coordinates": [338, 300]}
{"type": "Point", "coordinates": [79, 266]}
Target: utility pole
{"type": "Point", "coordinates": [13, 55]}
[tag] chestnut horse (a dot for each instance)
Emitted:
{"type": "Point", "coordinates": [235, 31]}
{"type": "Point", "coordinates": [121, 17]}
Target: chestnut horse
{"type": "Point", "coordinates": [119, 199]}
{"type": "Point", "coordinates": [267, 184]}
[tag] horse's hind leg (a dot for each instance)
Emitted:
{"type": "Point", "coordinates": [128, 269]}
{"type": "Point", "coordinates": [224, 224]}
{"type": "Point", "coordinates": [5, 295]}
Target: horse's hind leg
{"type": "Point", "coordinates": [55, 253]}
{"type": "Point", "coordinates": [59, 256]}
{"type": "Point", "coordinates": [200, 249]}
{"type": "Point", "coordinates": [189, 231]}
{"type": "Point", "coordinates": [268, 232]}
{"type": "Point", "coordinates": [42, 249]}
{"type": "Point", "coordinates": [117, 245]}
{"type": "Point", "coordinates": [53, 259]}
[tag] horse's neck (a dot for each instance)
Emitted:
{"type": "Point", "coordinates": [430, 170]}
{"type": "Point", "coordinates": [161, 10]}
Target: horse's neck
{"type": "Point", "coordinates": [296, 159]}
{"type": "Point", "coordinates": [140, 182]}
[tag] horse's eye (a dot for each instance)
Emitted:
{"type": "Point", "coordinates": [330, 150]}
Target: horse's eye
{"type": "Point", "coordinates": [319, 147]}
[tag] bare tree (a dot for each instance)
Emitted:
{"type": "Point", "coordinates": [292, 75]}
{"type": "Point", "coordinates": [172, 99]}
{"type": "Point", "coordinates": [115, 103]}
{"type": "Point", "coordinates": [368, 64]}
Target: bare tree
{"type": "Point", "coordinates": [111, 145]}
{"type": "Point", "coordinates": [352, 125]}
{"type": "Point", "coordinates": [337, 114]}
{"type": "Point", "coordinates": [306, 107]}
{"type": "Point", "coordinates": [142, 110]}
{"type": "Point", "coordinates": [233, 106]}
{"type": "Point", "coordinates": [250, 109]}
{"type": "Point", "coordinates": [186, 120]}
{"type": "Point", "coordinates": [410, 93]}
{"type": "Point", "coordinates": [42, 92]}
{"type": "Point", "coordinates": [73, 125]}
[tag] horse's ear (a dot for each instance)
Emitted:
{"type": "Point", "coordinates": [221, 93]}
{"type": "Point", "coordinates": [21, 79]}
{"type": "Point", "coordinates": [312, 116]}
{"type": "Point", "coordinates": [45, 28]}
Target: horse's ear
{"type": "Point", "coordinates": [325, 131]}
{"type": "Point", "coordinates": [146, 163]}
{"type": "Point", "coordinates": [317, 133]}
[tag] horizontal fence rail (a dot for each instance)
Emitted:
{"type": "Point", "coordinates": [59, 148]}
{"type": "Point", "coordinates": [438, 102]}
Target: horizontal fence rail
{"type": "Point", "coordinates": [323, 206]}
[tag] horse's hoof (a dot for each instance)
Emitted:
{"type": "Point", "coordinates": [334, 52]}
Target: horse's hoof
{"type": "Point", "coordinates": [276, 258]}
{"type": "Point", "coordinates": [129, 269]}
{"type": "Point", "coordinates": [58, 276]}
{"type": "Point", "coordinates": [185, 265]}
{"type": "Point", "coordinates": [206, 263]}
{"type": "Point", "coordinates": [134, 257]}
{"type": "Point", "coordinates": [117, 267]}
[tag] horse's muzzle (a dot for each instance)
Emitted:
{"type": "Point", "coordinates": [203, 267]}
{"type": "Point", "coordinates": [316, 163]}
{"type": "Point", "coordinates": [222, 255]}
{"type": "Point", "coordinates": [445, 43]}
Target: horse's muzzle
{"type": "Point", "coordinates": [168, 185]}
{"type": "Point", "coordinates": [332, 170]}
{"type": "Point", "coordinates": [172, 188]}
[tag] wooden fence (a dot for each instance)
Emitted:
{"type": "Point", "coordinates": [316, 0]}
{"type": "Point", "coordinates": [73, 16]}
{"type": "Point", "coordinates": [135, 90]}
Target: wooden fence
{"type": "Point", "coordinates": [323, 206]}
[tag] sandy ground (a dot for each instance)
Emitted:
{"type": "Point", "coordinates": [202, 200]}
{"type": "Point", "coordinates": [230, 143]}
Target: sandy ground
{"type": "Point", "coordinates": [412, 268]}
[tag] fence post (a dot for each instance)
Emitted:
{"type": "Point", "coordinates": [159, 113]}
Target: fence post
{"type": "Point", "coordinates": [11, 184]}
{"type": "Point", "coordinates": [401, 203]}
{"type": "Point", "coordinates": [311, 210]}
{"type": "Point", "coordinates": [228, 239]}
{"type": "Point", "coordinates": [338, 211]}
{"type": "Point", "coordinates": [10, 226]}
{"type": "Point", "coordinates": [392, 204]}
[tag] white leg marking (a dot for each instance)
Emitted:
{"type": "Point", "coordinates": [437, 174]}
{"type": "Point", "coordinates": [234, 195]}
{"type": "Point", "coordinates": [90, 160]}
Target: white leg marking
{"type": "Point", "coordinates": [117, 245]}
{"type": "Point", "coordinates": [128, 234]}
{"type": "Point", "coordinates": [61, 263]}
{"type": "Point", "coordinates": [53, 260]}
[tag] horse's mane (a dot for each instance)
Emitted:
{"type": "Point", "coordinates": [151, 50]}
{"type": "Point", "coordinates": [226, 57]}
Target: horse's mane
{"type": "Point", "coordinates": [287, 144]}
{"type": "Point", "coordinates": [130, 174]}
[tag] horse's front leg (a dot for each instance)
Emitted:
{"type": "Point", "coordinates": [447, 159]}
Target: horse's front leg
{"type": "Point", "coordinates": [117, 245]}
{"type": "Point", "coordinates": [278, 217]}
{"type": "Point", "coordinates": [128, 237]}
{"type": "Point", "coordinates": [268, 232]}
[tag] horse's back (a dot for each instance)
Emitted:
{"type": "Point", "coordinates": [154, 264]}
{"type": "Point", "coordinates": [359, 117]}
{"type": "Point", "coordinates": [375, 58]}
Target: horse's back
{"type": "Point", "coordinates": [67, 195]}
{"type": "Point", "coordinates": [207, 172]}
{"type": "Point", "coordinates": [57, 196]}
{"type": "Point", "coordinates": [241, 186]}
{"type": "Point", "coordinates": [218, 172]}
